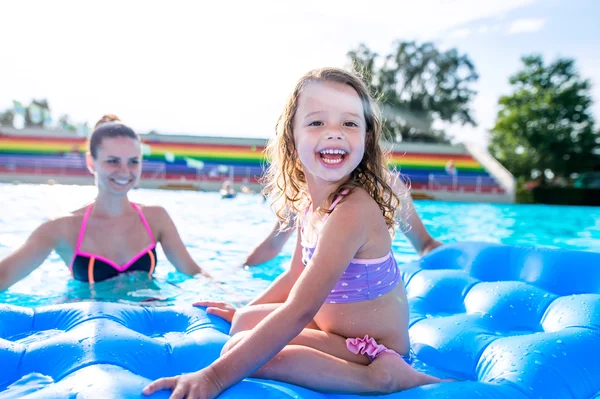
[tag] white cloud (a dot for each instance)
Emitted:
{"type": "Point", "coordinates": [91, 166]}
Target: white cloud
{"type": "Point", "coordinates": [496, 28]}
{"type": "Point", "coordinates": [460, 33]}
{"type": "Point", "coordinates": [526, 25]}
{"type": "Point", "coordinates": [222, 68]}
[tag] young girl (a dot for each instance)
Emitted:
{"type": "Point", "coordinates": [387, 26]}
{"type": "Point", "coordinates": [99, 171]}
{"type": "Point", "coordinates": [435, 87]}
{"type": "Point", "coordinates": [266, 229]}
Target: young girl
{"type": "Point", "coordinates": [337, 320]}
{"type": "Point", "coordinates": [112, 235]}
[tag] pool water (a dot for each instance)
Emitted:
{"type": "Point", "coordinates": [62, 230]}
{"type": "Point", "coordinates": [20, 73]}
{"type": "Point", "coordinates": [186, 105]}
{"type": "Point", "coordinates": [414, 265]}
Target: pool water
{"type": "Point", "coordinates": [220, 233]}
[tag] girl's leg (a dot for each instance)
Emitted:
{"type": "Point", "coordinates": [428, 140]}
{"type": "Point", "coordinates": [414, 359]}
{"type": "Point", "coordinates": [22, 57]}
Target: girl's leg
{"type": "Point", "coordinates": [314, 365]}
{"type": "Point", "coordinates": [248, 317]}
{"type": "Point", "coordinates": [313, 369]}
{"type": "Point", "coordinates": [332, 344]}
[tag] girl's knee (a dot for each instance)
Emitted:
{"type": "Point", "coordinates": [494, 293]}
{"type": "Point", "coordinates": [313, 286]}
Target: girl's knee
{"type": "Point", "coordinates": [248, 317]}
{"type": "Point", "coordinates": [233, 341]}
{"type": "Point", "coordinates": [238, 322]}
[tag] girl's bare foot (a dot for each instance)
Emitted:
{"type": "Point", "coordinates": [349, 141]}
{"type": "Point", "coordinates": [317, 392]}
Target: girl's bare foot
{"type": "Point", "coordinates": [392, 374]}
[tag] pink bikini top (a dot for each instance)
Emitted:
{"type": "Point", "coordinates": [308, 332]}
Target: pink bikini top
{"type": "Point", "coordinates": [92, 268]}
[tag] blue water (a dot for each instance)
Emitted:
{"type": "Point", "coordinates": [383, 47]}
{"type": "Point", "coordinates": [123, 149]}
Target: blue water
{"type": "Point", "coordinates": [219, 234]}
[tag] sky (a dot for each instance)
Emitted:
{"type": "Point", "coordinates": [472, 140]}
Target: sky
{"type": "Point", "coordinates": [226, 68]}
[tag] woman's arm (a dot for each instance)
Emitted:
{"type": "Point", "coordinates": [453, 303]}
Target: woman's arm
{"type": "Point", "coordinates": [418, 235]}
{"type": "Point", "coordinates": [172, 245]}
{"type": "Point", "coordinates": [30, 255]}
{"type": "Point", "coordinates": [269, 247]}
{"type": "Point", "coordinates": [279, 290]}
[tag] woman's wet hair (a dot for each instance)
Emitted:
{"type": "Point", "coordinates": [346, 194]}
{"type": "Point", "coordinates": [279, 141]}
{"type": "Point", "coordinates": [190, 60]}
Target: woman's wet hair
{"type": "Point", "coordinates": [109, 126]}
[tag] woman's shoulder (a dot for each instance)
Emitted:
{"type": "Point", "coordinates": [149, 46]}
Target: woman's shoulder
{"type": "Point", "coordinates": [79, 212]}
{"type": "Point", "coordinates": [153, 210]}
{"type": "Point", "coordinates": [65, 225]}
{"type": "Point", "coordinates": [158, 219]}
{"type": "Point", "coordinates": [156, 215]}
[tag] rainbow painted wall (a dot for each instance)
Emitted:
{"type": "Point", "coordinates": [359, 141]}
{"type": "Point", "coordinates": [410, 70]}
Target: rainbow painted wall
{"type": "Point", "coordinates": [243, 159]}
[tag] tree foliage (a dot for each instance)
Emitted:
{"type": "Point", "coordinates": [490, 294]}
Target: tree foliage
{"type": "Point", "coordinates": [7, 118]}
{"type": "Point", "coordinates": [36, 113]}
{"type": "Point", "coordinates": [418, 85]}
{"type": "Point", "coordinates": [545, 127]}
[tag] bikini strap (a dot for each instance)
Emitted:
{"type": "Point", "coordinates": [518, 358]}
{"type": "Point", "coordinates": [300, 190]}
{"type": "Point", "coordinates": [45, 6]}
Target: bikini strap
{"type": "Point", "coordinates": [86, 216]}
{"type": "Point", "coordinates": [337, 200]}
{"type": "Point", "coordinates": [144, 221]}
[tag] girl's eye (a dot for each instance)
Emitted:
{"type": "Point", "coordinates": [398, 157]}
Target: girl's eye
{"type": "Point", "coordinates": [351, 124]}
{"type": "Point", "coordinates": [316, 123]}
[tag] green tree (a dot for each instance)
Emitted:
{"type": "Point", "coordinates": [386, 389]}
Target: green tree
{"type": "Point", "coordinates": [35, 114]}
{"type": "Point", "coordinates": [7, 118]}
{"type": "Point", "coordinates": [418, 85]}
{"type": "Point", "coordinates": [545, 126]}
{"type": "Point", "coordinates": [64, 123]}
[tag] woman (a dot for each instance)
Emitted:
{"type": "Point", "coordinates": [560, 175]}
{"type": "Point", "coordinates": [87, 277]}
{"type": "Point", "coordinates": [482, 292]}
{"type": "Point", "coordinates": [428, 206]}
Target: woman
{"type": "Point", "coordinates": [111, 235]}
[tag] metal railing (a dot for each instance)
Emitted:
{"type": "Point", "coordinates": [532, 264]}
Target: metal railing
{"type": "Point", "coordinates": [502, 176]}
{"type": "Point", "coordinates": [162, 171]}
{"type": "Point", "coordinates": [437, 182]}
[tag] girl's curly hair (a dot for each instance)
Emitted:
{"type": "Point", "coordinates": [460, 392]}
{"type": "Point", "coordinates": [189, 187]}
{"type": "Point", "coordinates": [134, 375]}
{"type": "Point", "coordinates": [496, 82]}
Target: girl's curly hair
{"type": "Point", "coordinates": [284, 179]}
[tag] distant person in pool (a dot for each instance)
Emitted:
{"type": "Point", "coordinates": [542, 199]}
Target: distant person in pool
{"type": "Point", "coordinates": [417, 233]}
{"type": "Point", "coordinates": [227, 190]}
{"type": "Point", "coordinates": [337, 320]}
{"type": "Point", "coordinates": [111, 235]}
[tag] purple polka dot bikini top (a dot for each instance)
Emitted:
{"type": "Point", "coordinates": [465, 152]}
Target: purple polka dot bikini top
{"type": "Point", "coordinates": [363, 279]}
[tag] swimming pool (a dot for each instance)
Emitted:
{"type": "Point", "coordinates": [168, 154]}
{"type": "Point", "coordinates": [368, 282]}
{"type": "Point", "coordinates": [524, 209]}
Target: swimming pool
{"type": "Point", "coordinates": [219, 233]}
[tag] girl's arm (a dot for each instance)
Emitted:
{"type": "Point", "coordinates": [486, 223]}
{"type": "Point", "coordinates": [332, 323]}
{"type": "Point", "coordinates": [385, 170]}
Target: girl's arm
{"type": "Point", "coordinates": [173, 246]}
{"type": "Point", "coordinates": [279, 290]}
{"type": "Point", "coordinates": [30, 255]}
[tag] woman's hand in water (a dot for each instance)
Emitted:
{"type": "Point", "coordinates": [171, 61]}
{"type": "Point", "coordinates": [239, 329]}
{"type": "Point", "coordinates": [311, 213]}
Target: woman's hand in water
{"type": "Point", "coordinates": [202, 384]}
{"type": "Point", "coordinates": [430, 246]}
{"type": "Point", "coordinates": [221, 309]}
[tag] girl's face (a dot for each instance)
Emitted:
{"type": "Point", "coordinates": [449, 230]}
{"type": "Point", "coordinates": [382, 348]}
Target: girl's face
{"type": "Point", "coordinates": [118, 165]}
{"type": "Point", "coordinates": [329, 130]}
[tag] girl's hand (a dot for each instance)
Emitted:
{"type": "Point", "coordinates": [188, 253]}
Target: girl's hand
{"type": "Point", "coordinates": [202, 384]}
{"type": "Point", "coordinates": [221, 309]}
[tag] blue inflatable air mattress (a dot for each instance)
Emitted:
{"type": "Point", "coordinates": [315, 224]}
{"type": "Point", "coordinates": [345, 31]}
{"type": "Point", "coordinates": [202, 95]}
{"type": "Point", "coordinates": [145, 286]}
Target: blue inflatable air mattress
{"type": "Point", "coordinates": [509, 322]}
